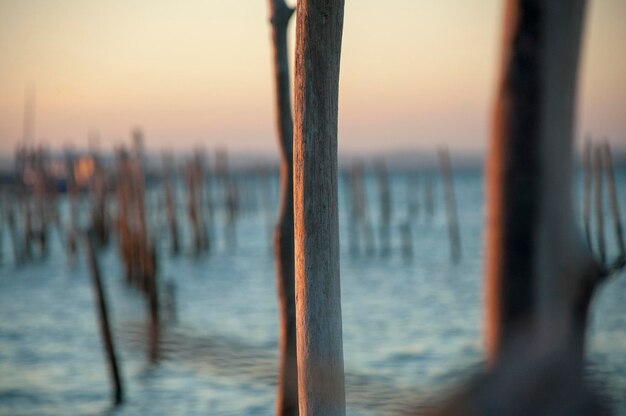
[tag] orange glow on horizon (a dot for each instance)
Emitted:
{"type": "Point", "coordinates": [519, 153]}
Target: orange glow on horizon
{"type": "Point", "coordinates": [413, 76]}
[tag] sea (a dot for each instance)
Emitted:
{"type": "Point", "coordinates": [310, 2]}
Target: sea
{"type": "Point", "coordinates": [413, 321]}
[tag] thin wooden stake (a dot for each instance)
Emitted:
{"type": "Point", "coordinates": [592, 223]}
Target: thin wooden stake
{"type": "Point", "coordinates": [451, 210]}
{"type": "Point", "coordinates": [103, 315]}
{"type": "Point", "coordinates": [612, 190]}
{"type": "Point", "coordinates": [586, 195]}
{"type": "Point", "coordinates": [599, 206]}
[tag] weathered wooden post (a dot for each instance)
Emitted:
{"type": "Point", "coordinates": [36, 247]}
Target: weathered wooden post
{"type": "Point", "coordinates": [429, 198]}
{"type": "Point", "coordinates": [406, 240]}
{"type": "Point", "coordinates": [318, 298]}
{"type": "Point", "coordinates": [607, 161]}
{"type": "Point", "coordinates": [287, 395]}
{"type": "Point", "coordinates": [412, 186]}
{"type": "Point", "coordinates": [170, 202]}
{"type": "Point", "coordinates": [454, 235]}
{"type": "Point", "coordinates": [103, 315]}
{"type": "Point", "coordinates": [382, 176]}
{"type": "Point", "coordinates": [586, 192]}
{"type": "Point", "coordinates": [152, 299]}
{"type": "Point", "coordinates": [72, 193]}
{"type": "Point", "coordinates": [598, 202]}
{"type": "Point", "coordinates": [538, 271]}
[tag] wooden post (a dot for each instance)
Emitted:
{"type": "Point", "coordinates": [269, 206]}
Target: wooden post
{"type": "Point", "coordinates": [103, 315]}
{"type": "Point", "coordinates": [598, 202]}
{"type": "Point", "coordinates": [318, 298]}
{"type": "Point", "coordinates": [537, 267]}
{"type": "Point", "coordinates": [15, 243]}
{"type": "Point", "coordinates": [607, 161]}
{"type": "Point", "coordinates": [152, 298]}
{"type": "Point", "coordinates": [454, 234]}
{"type": "Point", "coordinates": [385, 208]}
{"type": "Point", "coordinates": [412, 185]}
{"type": "Point", "coordinates": [170, 203]}
{"type": "Point", "coordinates": [586, 193]}
{"type": "Point", "coordinates": [429, 199]}
{"type": "Point", "coordinates": [406, 240]}
{"type": "Point", "coordinates": [287, 394]}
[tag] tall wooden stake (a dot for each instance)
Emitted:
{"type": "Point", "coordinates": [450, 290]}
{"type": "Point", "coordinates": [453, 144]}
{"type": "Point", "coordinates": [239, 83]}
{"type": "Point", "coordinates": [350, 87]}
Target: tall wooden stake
{"type": "Point", "coordinates": [287, 394]}
{"type": "Point", "coordinates": [586, 193]}
{"type": "Point", "coordinates": [598, 202]}
{"type": "Point", "coordinates": [454, 234]}
{"type": "Point", "coordinates": [318, 299]}
{"type": "Point", "coordinates": [607, 161]}
{"type": "Point", "coordinates": [103, 314]}
{"type": "Point", "coordinates": [537, 267]}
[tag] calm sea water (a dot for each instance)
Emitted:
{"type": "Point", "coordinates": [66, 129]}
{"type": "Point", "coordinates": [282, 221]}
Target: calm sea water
{"type": "Point", "coordinates": [410, 327]}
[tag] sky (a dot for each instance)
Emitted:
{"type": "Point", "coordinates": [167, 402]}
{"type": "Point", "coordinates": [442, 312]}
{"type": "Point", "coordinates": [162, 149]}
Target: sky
{"type": "Point", "coordinates": [415, 74]}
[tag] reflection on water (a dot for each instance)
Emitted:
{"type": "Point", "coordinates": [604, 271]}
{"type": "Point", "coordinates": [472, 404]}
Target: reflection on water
{"type": "Point", "coordinates": [411, 327]}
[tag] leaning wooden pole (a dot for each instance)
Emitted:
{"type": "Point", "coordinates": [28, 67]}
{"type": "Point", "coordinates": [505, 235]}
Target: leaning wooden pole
{"type": "Point", "coordinates": [287, 394]}
{"type": "Point", "coordinates": [103, 315]}
{"type": "Point", "coordinates": [319, 26]}
{"type": "Point", "coordinates": [537, 266]}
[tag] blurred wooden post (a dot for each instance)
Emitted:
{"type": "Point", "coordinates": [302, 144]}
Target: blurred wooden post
{"type": "Point", "coordinates": [412, 186]}
{"type": "Point", "coordinates": [607, 161]}
{"type": "Point", "coordinates": [170, 203]}
{"type": "Point", "coordinates": [103, 315]}
{"type": "Point", "coordinates": [152, 297]}
{"type": "Point", "coordinates": [454, 234]}
{"type": "Point", "coordinates": [287, 394]}
{"type": "Point", "coordinates": [72, 193]}
{"type": "Point", "coordinates": [406, 240]}
{"type": "Point", "coordinates": [586, 192]}
{"type": "Point", "coordinates": [599, 206]}
{"type": "Point", "coordinates": [537, 267]}
{"type": "Point", "coordinates": [429, 199]}
{"type": "Point", "coordinates": [385, 208]}
{"type": "Point", "coordinates": [318, 301]}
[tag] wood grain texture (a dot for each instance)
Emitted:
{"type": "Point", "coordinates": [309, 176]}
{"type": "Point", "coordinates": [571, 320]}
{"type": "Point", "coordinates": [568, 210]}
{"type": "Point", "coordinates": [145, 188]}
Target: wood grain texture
{"type": "Point", "coordinates": [318, 305]}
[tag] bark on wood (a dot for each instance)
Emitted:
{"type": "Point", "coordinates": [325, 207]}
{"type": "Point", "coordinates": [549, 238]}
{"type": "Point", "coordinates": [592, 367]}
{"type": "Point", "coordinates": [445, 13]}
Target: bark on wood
{"type": "Point", "coordinates": [537, 265]}
{"type": "Point", "coordinates": [287, 394]}
{"type": "Point", "coordinates": [103, 315]}
{"type": "Point", "coordinates": [318, 306]}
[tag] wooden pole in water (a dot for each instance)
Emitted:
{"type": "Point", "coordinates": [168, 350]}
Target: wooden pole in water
{"type": "Point", "coordinates": [599, 206]}
{"type": "Point", "coordinates": [319, 29]}
{"type": "Point", "coordinates": [429, 200]}
{"type": "Point", "coordinates": [454, 234]}
{"type": "Point", "coordinates": [610, 180]}
{"type": "Point", "coordinates": [17, 248]}
{"type": "Point", "coordinates": [103, 315]}
{"type": "Point", "coordinates": [170, 203]}
{"type": "Point", "coordinates": [152, 297]}
{"type": "Point", "coordinates": [586, 194]}
{"type": "Point", "coordinates": [385, 207]}
{"type": "Point", "coordinates": [287, 394]}
{"type": "Point", "coordinates": [537, 267]}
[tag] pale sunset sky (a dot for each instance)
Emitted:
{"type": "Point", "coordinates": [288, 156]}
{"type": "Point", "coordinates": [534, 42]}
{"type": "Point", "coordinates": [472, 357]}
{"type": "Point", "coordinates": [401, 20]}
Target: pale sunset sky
{"type": "Point", "coordinates": [415, 74]}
